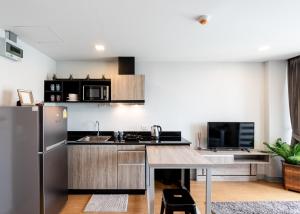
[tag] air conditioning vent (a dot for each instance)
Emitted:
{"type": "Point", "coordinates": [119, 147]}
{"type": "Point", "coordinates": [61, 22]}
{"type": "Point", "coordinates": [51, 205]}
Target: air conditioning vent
{"type": "Point", "coordinates": [9, 47]}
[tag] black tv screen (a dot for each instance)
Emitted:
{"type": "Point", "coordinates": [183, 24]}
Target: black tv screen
{"type": "Point", "coordinates": [230, 135]}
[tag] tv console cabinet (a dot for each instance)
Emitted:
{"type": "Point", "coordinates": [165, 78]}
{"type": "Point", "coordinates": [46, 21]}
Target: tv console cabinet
{"type": "Point", "coordinates": [234, 165]}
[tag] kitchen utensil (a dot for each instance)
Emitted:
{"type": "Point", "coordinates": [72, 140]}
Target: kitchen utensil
{"type": "Point", "coordinates": [155, 131]}
{"type": "Point", "coordinates": [116, 136]}
{"type": "Point", "coordinates": [121, 135]}
{"type": "Point", "coordinates": [73, 97]}
{"type": "Point", "coordinates": [58, 98]}
{"type": "Point", "coordinates": [52, 98]}
{"type": "Point", "coordinates": [52, 87]}
{"type": "Point", "coordinates": [57, 87]}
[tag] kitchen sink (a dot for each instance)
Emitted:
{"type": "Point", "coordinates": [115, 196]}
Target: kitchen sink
{"type": "Point", "coordinates": [94, 139]}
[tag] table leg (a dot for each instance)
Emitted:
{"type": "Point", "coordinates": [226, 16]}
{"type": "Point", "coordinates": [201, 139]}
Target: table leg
{"type": "Point", "coordinates": [208, 191]}
{"type": "Point", "coordinates": [147, 175]}
{"type": "Point", "coordinates": [182, 178]}
{"type": "Point", "coordinates": [151, 191]}
{"type": "Point", "coordinates": [185, 179]}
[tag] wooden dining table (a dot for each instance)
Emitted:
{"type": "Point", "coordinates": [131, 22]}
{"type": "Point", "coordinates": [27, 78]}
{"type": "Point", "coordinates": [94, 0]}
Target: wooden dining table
{"type": "Point", "coordinates": [175, 157]}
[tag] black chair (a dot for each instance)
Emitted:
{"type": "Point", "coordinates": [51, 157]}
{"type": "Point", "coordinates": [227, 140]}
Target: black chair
{"type": "Point", "coordinates": [177, 200]}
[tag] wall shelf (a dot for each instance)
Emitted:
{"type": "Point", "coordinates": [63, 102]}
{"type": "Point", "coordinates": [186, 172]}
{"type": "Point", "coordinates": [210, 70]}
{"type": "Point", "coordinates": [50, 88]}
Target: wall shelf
{"type": "Point", "coordinates": [57, 91]}
{"type": "Point", "coordinates": [124, 89]}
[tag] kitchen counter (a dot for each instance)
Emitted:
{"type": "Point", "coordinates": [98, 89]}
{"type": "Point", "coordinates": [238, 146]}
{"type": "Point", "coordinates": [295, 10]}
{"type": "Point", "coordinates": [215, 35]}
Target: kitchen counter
{"type": "Point", "coordinates": [142, 142]}
{"type": "Point", "coordinates": [167, 138]}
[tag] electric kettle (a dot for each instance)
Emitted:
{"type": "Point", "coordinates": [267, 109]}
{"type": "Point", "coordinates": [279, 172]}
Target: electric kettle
{"type": "Point", "coordinates": [155, 131]}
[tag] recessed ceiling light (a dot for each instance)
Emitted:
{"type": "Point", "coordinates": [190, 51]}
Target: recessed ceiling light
{"type": "Point", "coordinates": [99, 47]}
{"type": "Point", "coordinates": [264, 48]}
{"type": "Point", "coordinates": [203, 19]}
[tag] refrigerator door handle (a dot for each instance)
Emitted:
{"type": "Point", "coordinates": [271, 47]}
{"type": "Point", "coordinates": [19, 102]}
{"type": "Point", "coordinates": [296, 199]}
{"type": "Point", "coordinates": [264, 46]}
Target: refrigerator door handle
{"type": "Point", "coordinates": [49, 148]}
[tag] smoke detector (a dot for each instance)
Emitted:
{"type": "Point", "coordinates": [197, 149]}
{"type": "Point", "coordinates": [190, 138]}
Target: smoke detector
{"type": "Point", "coordinates": [203, 19]}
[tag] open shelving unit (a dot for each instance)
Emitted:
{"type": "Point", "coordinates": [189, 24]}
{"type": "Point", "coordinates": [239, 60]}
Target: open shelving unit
{"type": "Point", "coordinates": [257, 158]}
{"type": "Point", "coordinates": [234, 165]}
{"type": "Point", "coordinates": [51, 90]}
{"type": "Point", "coordinates": [57, 91]}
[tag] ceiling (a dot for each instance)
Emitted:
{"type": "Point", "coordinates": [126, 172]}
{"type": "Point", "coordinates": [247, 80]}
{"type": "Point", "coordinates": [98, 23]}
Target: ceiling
{"type": "Point", "coordinates": [157, 29]}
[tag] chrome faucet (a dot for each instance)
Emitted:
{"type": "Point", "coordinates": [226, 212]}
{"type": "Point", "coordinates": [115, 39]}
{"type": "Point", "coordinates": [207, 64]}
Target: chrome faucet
{"type": "Point", "coordinates": [98, 128]}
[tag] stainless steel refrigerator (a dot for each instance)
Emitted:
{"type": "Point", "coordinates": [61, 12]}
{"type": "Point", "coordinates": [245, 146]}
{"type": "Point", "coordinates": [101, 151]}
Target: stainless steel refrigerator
{"type": "Point", "coordinates": [33, 160]}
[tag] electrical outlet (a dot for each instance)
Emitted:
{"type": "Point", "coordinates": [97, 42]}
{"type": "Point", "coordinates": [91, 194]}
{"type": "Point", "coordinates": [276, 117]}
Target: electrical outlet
{"type": "Point", "coordinates": [143, 127]}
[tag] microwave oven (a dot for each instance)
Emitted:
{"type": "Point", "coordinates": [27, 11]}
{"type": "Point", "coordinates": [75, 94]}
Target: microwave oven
{"type": "Point", "coordinates": [95, 93]}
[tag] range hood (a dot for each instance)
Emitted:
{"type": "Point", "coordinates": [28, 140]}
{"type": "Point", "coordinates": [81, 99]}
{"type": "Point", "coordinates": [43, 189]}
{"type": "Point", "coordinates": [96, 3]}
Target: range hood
{"type": "Point", "coordinates": [126, 65]}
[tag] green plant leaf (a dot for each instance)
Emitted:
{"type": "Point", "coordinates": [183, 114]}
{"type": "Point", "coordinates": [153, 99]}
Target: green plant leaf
{"type": "Point", "coordinates": [296, 149]}
{"type": "Point", "coordinates": [280, 148]}
{"type": "Point", "coordinates": [291, 154]}
{"type": "Point", "coordinates": [293, 160]}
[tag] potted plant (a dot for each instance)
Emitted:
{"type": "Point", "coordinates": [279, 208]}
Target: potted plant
{"type": "Point", "coordinates": [290, 163]}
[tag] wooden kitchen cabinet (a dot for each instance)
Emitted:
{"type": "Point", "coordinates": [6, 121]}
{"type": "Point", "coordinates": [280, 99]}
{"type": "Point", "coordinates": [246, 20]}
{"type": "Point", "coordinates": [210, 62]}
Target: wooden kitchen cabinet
{"type": "Point", "coordinates": [128, 88]}
{"type": "Point", "coordinates": [92, 166]}
{"type": "Point", "coordinates": [131, 176]}
{"type": "Point", "coordinates": [131, 168]}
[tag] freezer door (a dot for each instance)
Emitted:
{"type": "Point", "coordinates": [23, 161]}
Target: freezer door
{"type": "Point", "coordinates": [54, 126]}
{"type": "Point", "coordinates": [55, 178]}
{"type": "Point", "coordinates": [19, 160]}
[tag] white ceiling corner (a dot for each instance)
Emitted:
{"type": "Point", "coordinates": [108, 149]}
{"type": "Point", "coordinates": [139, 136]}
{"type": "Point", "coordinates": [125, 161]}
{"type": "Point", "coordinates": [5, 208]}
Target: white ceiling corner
{"type": "Point", "coordinates": [157, 30]}
{"type": "Point", "coordinates": [37, 34]}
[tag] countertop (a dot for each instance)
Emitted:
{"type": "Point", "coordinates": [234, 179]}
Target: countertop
{"type": "Point", "coordinates": [183, 141]}
{"type": "Point", "coordinates": [167, 138]}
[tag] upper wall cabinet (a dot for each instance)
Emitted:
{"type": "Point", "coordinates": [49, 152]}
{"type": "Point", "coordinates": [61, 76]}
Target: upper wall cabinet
{"type": "Point", "coordinates": [122, 87]}
{"type": "Point", "coordinates": [128, 88]}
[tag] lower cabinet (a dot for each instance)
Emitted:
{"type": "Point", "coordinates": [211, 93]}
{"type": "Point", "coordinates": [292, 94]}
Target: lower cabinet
{"type": "Point", "coordinates": [131, 169]}
{"type": "Point", "coordinates": [92, 166]}
{"type": "Point", "coordinates": [108, 167]}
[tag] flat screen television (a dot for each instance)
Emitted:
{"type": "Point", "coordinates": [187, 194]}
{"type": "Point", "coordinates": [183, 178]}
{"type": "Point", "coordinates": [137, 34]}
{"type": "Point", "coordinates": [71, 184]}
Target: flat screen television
{"type": "Point", "coordinates": [230, 135]}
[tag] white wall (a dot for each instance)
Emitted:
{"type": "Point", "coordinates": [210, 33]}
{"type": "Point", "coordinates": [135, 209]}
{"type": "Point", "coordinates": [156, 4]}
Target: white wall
{"type": "Point", "coordinates": [180, 96]}
{"type": "Point", "coordinates": [278, 122]}
{"type": "Point", "coordinates": [277, 110]}
{"type": "Point", "coordinates": [29, 73]}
